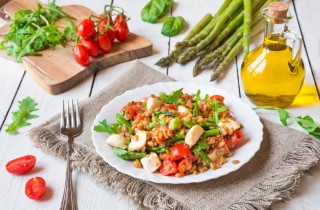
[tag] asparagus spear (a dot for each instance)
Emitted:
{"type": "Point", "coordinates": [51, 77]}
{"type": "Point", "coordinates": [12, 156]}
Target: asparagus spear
{"type": "Point", "coordinates": [190, 52]}
{"type": "Point", "coordinates": [163, 62]}
{"type": "Point", "coordinates": [246, 26]}
{"type": "Point", "coordinates": [200, 36]}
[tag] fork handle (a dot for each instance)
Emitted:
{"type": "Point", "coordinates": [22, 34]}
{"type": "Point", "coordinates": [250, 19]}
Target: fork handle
{"type": "Point", "coordinates": [68, 200]}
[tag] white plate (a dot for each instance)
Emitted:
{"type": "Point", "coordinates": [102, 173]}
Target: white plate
{"type": "Point", "coordinates": [243, 113]}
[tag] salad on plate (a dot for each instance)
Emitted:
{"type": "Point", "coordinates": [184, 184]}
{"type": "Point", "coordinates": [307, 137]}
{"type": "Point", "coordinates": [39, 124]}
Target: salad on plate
{"type": "Point", "coordinates": [176, 134]}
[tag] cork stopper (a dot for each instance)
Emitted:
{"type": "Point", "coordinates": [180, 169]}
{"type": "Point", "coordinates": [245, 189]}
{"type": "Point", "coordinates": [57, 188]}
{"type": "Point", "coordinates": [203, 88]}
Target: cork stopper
{"type": "Point", "coordinates": [278, 10]}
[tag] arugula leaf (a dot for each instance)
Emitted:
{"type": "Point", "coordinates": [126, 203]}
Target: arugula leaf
{"type": "Point", "coordinates": [20, 117]}
{"type": "Point", "coordinates": [105, 127]}
{"type": "Point", "coordinates": [32, 31]}
{"type": "Point", "coordinates": [197, 96]}
{"type": "Point", "coordinates": [173, 97]}
{"type": "Point", "coordinates": [200, 148]}
{"type": "Point", "coordinates": [306, 122]}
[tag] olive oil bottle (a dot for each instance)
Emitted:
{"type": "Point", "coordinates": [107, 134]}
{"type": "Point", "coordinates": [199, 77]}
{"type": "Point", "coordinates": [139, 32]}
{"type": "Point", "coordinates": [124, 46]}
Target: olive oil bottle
{"type": "Point", "coordinates": [273, 73]}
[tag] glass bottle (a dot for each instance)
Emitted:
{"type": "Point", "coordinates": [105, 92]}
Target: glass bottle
{"type": "Point", "coordinates": [273, 73]}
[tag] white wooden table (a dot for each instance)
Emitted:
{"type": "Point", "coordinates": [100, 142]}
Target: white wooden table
{"type": "Point", "coordinates": [16, 84]}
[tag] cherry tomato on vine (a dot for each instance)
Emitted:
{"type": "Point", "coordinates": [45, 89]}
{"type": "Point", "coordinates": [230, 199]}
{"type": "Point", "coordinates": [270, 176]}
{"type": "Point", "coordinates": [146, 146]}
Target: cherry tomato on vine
{"type": "Point", "coordinates": [179, 151]}
{"type": "Point", "coordinates": [35, 188]}
{"type": "Point", "coordinates": [81, 55]}
{"type": "Point", "coordinates": [90, 45]}
{"type": "Point", "coordinates": [121, 28]}
{"type": "Point", "coordinates": [21, 165]}
{"type": "Point", "coordinates": [86, 28]}
{"type": "Point", "coordinates": [105, 27]}
{"type": "Point", "coordinates": [235, 140]}
{"type": "Point", "coordinates": [104, 43]}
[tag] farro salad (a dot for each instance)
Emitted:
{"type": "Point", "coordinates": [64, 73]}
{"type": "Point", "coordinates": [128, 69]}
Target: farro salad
{"type": "Point", "coordinates": [176, 134]}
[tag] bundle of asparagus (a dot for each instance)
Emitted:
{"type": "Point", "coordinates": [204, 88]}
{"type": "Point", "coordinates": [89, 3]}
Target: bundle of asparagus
{"type": "Point", "coordinates": [219, 38]}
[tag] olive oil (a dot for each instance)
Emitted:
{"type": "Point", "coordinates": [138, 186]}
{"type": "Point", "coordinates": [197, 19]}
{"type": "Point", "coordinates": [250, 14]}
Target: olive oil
{"type": "Point", "coordinates": [273, 74]}
{"type": "Point", "coordinates": [268, 75]}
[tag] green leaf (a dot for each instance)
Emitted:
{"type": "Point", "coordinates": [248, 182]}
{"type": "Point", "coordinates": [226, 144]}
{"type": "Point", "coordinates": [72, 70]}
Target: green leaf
{"type": "Point", "coordinates": [20, 117]}
{"type": "Point", "coordinates": [168, 6]}
{"type": "Point", "coordinates": [152, 11]}
{"type": "Point", "coordinates": [197, 96]}
{"type": "Point", "coordinates": [283, 114]}
{"type": "Point", "coordinates": [105, 127]}
{"type": "Point", "coordinates": [173, 26]}
{"type": "Point", "coordinates": [173, 97]}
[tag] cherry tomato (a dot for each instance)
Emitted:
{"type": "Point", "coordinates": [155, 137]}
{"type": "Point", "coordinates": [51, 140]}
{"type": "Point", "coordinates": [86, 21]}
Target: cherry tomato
{"type": "Point", "coordinates": [104, 43]}
{"type": "Point", "coordinates": [168, 167]}
{"type": "Point", "coordinates": [170, 106]}
{"type": "Point", "coordinates": [216, 98]}
{"type": "Point", "coordinates": [90, 45]}
{"type": "Point", "coordinates": [86, 28]}
{"type": "Point", "coordinates": [35, 188]}
{"type": "Point", "coordinates": [21, 165]}
{"type": "Point", "coordinates": [121, 28]}
{"type": "Point", "coordinates": [179, 151]}
{"type": "Point", "coordinates": [184, 166]}
{"type": "Point", "coordinates": [235, 140]}
{"type": "Point", "coordinates": [105, 27]}
{"type": "Point", "coordinates": [81, 55]}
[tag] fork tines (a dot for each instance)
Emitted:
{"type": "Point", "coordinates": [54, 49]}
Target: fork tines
{"type": "Point", "coordinates": [70, 115]}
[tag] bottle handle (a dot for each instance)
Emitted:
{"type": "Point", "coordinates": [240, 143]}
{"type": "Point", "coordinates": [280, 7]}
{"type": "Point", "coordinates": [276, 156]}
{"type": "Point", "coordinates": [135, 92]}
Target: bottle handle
{"type": "Point", "coordinates": [296, 49]}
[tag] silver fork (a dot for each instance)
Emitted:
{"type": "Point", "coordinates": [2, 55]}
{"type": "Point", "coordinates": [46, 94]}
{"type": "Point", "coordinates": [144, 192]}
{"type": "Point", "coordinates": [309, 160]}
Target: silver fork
{"type": "Point", "coordinates": [70, 127]}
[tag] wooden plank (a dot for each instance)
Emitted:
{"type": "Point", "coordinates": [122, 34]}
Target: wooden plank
{"type": "Point", "coordinates": [310, 30]}
{"type": "Point", "coordinates": [228, 80]}
{"type": "Point", "coordinates": [57, 71]}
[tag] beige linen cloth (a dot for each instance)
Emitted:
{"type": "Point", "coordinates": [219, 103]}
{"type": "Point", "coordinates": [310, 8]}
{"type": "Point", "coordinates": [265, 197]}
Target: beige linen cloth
{"type": "Point", "coordinates": [269, 176]}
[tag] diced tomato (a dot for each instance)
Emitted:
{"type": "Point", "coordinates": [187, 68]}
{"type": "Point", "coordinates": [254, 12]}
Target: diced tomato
{"type": "Point", "coordinates": [179, 151]}
{"type": "Point", "coordinates": [235, 140]}
{"type": "Point", "coordinates": [35, 188]}
{"type": "Point", "coordinates": [21, 165]}
{"type": "Point", "coordinates": [184, 166]}
{"type": "Point", "coordinates": [216, 98]}
{"type": "Point", "coordinates": [139, 103]}
{"type": "Point", "coordinates": [168, 167]}
{"type": "Point", "coordinates": [170, 106]}
{"type": "Point", "coordinates": [132, 110]}
{"type": "Point", "coordinates": [165, 134]}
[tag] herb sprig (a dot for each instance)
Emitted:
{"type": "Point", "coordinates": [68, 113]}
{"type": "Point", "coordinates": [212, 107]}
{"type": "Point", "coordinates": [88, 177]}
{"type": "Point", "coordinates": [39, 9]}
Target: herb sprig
{"type": "Point", "coordinates": [306, 122]}
{"type": "Point", "coordinates": [35, 30]}
{"type": "Point", "coordinates": [20, 117]}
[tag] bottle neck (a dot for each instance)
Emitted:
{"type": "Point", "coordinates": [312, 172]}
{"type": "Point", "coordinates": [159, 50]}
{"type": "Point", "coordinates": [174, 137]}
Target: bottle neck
{"type": "Point", "coordinates": [274, 35]}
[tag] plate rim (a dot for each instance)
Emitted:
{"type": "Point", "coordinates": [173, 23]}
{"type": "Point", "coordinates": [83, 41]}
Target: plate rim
{"type": "Point", "coordinates": [176, 180]}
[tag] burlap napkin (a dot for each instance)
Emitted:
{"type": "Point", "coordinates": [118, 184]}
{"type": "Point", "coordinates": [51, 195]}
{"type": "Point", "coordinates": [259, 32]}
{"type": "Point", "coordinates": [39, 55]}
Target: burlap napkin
{"type": "Point", "coordinates": [269, 176]}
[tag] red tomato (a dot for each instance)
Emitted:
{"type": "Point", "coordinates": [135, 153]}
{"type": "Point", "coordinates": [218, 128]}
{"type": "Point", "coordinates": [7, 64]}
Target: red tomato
{"type": "Point", "coordinates": [91, 46]}
{"type": "Point", "coordinates": [184, 166]}
{"type": "Point", "coordinates": [21, 165]}
{"type": "Point", "coordinates": [234, 141]}
{"type": "Point", "coordinates": [105, 27]}
{"type": "Point", "coordinates": [170, 106]}
{"type": "Point", "coordinates": [168, 167]}
{"type": "Point", "coordinates": [35, 188]}
{"type": "Point", "coordinates": [121, 28]}
{"type": "Point", "coordinates": [179, 151]}
{"type": "Point", "coordinates": [104, 43]}
{"type": "Point", "coordinates": [81, 55]}
{"type": "Point", "coordinates": [133, 110]}
{"type": "Point", "coordinates": [216, 98]}
{"type": "Point", "coordinates": [86, 28]}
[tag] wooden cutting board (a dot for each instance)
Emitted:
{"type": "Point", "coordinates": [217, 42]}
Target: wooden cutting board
{"type": "Point", "coordinates": [56, 70]}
